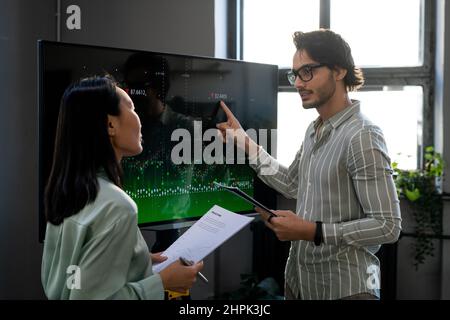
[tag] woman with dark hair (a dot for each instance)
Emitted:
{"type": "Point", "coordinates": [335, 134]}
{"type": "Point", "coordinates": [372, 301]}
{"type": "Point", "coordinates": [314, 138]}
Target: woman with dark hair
{"type": "Point", "coordinates": [93, 247]}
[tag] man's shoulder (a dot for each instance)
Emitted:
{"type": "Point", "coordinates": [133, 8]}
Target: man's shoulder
{"type": "Point", "coordinates": [359, 131]}
{"type": "Point", "coordinates": [358, 125]}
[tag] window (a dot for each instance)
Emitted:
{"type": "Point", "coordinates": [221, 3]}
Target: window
{"type": "Point", "coordinates": [390, 40]}
{"type": "Point", "coordinates": [382, 33]}
{"type": "Point", "coordinates": [397, 111]}
{"type": "Point", "coordinates": [268, 28]}
{"type": "Point", "coordinates": [295, 120]}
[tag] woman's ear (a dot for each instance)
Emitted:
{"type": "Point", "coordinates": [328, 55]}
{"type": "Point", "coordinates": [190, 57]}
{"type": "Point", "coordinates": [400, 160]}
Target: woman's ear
{"type": "Point", "coordinates": [112, 125]}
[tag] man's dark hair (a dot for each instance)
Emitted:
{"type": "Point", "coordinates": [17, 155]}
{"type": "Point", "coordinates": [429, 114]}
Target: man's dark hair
{"type": "Point", "coordinates": [325, 46]}
{"type": "Point", "coordinates": [82, 147]}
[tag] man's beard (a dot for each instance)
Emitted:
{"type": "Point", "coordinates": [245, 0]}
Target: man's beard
{"type": "Point", "coordinates": [323, 96]}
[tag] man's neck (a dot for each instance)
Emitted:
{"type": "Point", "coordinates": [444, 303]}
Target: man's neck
{"type": "Point", "coordinates": [336, 104]}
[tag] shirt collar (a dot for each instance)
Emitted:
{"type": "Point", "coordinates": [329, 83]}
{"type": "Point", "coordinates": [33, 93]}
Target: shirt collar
{"type": "Point", "coordinates": [340, 117]}
{"type": "Point", "coordinates": [336, 120]}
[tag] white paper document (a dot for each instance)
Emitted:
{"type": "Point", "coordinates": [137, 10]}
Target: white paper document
{"type": "Point", "coordinates": [203, 237]}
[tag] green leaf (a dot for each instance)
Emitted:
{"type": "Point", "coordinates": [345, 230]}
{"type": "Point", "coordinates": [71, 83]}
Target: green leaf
{"type": "Point", "coordinates": [412, 195]}
{"type": "Point", "coordinates": [421, 188]}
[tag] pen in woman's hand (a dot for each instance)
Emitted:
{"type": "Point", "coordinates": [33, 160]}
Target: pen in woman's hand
{"type": "Point", "coordinates": [190, 263]}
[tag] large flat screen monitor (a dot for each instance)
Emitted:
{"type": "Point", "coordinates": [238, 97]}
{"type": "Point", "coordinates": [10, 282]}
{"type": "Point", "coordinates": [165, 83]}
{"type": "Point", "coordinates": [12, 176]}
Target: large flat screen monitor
{"type": "Point", "coordinates": [170, 92]}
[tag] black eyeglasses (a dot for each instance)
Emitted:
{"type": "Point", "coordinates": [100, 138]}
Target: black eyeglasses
{"type": "Point", "coordinates": [305, 73]}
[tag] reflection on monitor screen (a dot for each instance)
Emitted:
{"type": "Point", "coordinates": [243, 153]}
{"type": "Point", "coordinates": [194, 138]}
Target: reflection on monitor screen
{"type": "Point", "coordinates": [171, 93]}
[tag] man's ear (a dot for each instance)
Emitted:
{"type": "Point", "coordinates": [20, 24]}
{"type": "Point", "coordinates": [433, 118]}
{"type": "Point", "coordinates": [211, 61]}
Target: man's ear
{"type": "Point", "coordinates": [340, 73]}
{"type": "Point", "coordinates": [112, 125]}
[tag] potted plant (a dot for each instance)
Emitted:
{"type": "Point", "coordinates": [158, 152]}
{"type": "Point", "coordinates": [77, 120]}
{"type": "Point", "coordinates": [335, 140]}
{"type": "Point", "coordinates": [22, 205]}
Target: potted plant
{"type": "Point", "coordinates": [421, 189]}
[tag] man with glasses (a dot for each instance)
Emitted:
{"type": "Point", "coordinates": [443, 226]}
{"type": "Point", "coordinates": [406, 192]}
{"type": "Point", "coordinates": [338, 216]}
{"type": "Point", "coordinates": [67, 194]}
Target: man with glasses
{"type": "Point", "coordinates": [347, 205]}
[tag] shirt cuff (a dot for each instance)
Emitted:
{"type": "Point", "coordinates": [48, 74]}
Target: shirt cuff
{"type": "Point", "coordinates": [332, 233]}
{"type": "Point", "coordinates": [153, 287]}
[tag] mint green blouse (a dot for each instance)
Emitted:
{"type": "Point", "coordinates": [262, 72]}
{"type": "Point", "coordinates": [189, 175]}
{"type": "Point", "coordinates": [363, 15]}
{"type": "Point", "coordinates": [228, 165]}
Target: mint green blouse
{"type": "Point", "coordinates": [99, 253]}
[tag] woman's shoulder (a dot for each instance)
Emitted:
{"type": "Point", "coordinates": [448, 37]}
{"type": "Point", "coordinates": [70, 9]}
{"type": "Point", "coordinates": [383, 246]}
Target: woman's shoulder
{"type": "Point", "coordinates": [111, 205]}
{"type": "Point", "coordinates": [109, 192]}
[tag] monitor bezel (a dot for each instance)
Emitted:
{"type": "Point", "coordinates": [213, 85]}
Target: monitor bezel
{"type": "Point", "coordinates": [270, 194]}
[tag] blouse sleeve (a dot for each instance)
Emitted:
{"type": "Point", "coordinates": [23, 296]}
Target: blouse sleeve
{"type": "Point", "coordinates": [105, 263]}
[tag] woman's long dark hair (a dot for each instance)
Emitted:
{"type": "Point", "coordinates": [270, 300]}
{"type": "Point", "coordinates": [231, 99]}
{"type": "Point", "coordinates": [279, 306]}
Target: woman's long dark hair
{"type": "Point", "coordinates": [82, 147]}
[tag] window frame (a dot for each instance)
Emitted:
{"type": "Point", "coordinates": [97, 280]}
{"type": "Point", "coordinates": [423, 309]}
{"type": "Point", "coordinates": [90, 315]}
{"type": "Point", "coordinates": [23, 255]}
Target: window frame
{"type": "Point", "coordinates": [376, 78]}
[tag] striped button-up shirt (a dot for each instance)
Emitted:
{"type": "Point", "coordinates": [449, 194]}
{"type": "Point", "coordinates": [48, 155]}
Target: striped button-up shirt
{"type": "Point", "coordinates": [342, 177]}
